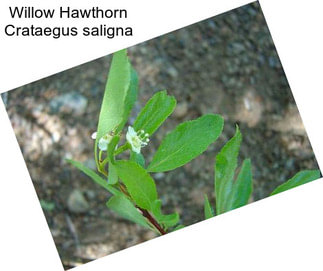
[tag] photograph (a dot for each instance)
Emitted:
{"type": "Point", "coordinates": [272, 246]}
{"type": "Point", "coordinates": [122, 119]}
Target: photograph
{"type": "Point", "coordinates": [161, 135]}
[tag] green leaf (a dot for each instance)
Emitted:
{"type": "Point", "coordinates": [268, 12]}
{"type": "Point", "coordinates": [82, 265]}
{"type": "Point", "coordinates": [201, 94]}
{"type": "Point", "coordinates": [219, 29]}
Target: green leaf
{"type": "Point", "coordinates": [130, 98]}
{"type": "Point", "coordinates": [138, 158]}
{"type": "Point", "coordinates": [113, 108]}
{"type": "Point", "coordinates": [300, 178]}
{"type": "Point", "coordinates": [155, 112]}
{"type": "Point", "coordinates": [112, 175]}
{"type": "Point", "coordinates": [186, 142]}
{"type": "Point", "coordinates": [95, 177]}
{"type": "Point", "coordinates": [139, 183]}
{"type": "Point", "coordinates": [243, 186]}
{"type": "Point", "coordinates": [208, 211]}
{"type": "Point", "coordinates": [122, 206]}
{"type": "Point", "coordinates": [111, 148]}
{"type": "Point", "coordinates": [225, 165]}
{"type": "Point", "coordinates": [167, 221]}
{"type": "Point", "coordinates": [47, 205]}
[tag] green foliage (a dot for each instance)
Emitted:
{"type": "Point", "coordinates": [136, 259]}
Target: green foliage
{"type": "Point", "coordinates": [139, 183]}
{"type": "Point", "coordinates": [230, 194]}
{"type": "Point", "coordinates": [111, 148]}
{"type": "Point", "coordinates": [112, 175]}
{"type": "Point", "coordinates": [208, 211]}
{"type": "Point", "coordinates": [124, 207]}
{"type": "Point", "coordinates": [300, 178]}
{"type": "Point", "coordinates": [225, 165]}
{"type": "Point", "coordinates": [47, 205]}
{"type": "Point", "coordinates": [134, 191]}
{"type": "Point", "coordinates": [95, 177]}
{"type": "Point", "coordinates": [166, 220]}
{"type": "Point", "coordinates": [243, 186]}
{"type": "Point", "coordinates": [131, 97]}
{"type": "Point", "coordinates": [117, 100]}
{"type": "Point", "coordinates": [138, 158]}
{"type": "Point", "coordinates": [186, 142]}
{"type": "Point", "coordinates": [155, 112]}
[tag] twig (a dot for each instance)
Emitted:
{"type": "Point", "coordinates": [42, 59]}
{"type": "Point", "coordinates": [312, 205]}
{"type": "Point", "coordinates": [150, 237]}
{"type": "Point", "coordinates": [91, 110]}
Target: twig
{"type": "Point", "coordinates": [152, 220]}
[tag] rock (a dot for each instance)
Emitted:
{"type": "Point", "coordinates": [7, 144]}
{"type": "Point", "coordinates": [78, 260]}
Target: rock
{"type": "Point", "coordinates": [90, 194]}
{"type": "Point", "coordinates": [290, 122]}
{"type": "Point", "coordinates": [94, 251]}
{"type": "Point", "coordinates": [56, 136]}
{"type": "Point", "coordinates": [181, 110]}
{"type": "Point", "coordinates": [94, 232]}
{"type": "Point", "coordinates": [197, 196]}
{"type": "Point", "coordinates": [172, 72]}
{"type": "Point", "coordinates": [235, 48]}
{"type": "Point", "coordinates": [250, 108]}
{"type": "Point", "coordinates": [77, 203]}
{"type": "Point", "coordinates": [69, 103]}
{"type": "Point", "coordinates": [159, 175]}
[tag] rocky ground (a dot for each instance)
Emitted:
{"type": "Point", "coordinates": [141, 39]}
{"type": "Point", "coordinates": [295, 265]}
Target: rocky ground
{"type": "Point", "coordinates": [226, 65]}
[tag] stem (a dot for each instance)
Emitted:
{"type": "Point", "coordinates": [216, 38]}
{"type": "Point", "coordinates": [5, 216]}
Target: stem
{"type": "Point", "coordinates": [105, 161]}
{"type": "Point", "coordinates": [101, 167]}
{"type": "Point", "coordinates": [100, 156]}
{"type": "Point", "coordinates": [96, 155]}
{"type": "Point", "coordinates": [97, 162]}
{"type": "Point", "coordinates": [101, 164]}
{"type": "Point", "coordinates": [144, 212]}
{"type": "Point", "coordinates": [152, 220]}
{"type": "Point", "coordinates": [123, 189]}
{"type": "Point", "coordinates": [122, 148]}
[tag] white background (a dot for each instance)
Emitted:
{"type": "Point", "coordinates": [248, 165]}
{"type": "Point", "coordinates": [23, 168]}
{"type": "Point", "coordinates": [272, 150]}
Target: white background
{"type": "Point", "coordinates": [283, 232]}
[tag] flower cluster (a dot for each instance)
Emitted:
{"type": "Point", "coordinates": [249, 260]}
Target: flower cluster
{"type": "Point", "coordinates": [137, 140]}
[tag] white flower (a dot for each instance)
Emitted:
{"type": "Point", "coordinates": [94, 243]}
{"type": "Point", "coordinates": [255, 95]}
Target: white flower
{"type": "Point", "coordinates": [93, 136]}
{"type": "Point", "coordinates": [137, 140]}
{"type": "Point", "coordinates": [103, 141]}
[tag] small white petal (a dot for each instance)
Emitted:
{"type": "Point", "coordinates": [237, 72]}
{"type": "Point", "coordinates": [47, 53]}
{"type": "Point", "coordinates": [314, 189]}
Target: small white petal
{"type": "Point", "coordinates": [131, 131]}
{"type": "Point", "coordinates": [128, 136]}
{"type": "Point", "coordinates": [137, 150]}
{"type": "Point", "coordinates": [93, 136]}
{"type": "Point", "coordinates": [103, 144]}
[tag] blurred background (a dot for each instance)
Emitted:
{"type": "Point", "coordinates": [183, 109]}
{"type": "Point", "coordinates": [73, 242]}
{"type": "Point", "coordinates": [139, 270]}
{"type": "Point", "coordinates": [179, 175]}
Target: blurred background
{"type": "Point", "coordinates": [226, 65]}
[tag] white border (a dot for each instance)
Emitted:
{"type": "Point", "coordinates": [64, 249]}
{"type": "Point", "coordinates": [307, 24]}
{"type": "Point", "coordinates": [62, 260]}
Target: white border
{"type": "Point", "coordinates": [283, 232]}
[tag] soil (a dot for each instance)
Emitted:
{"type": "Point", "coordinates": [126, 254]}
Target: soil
{"type": "Point", "coordinates": [226, 65]}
